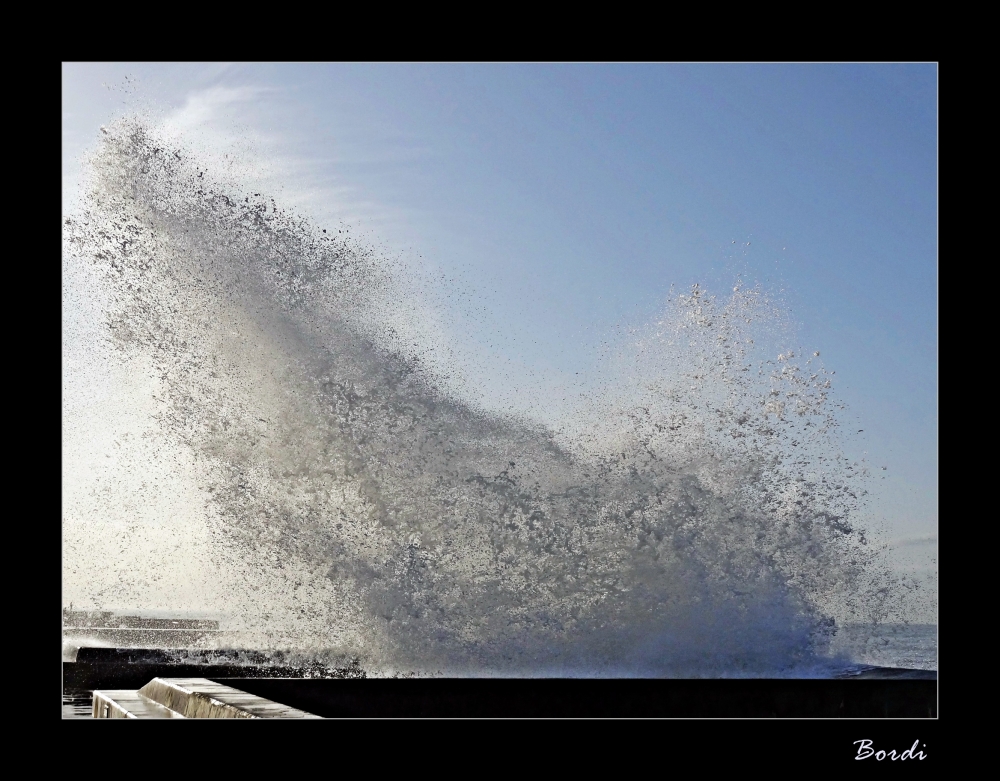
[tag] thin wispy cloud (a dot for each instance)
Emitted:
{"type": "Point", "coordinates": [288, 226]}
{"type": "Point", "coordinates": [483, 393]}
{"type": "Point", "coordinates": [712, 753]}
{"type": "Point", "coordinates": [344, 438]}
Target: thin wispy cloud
{"type": "Point", "coordinates": [205, 107]}
{"type": "Point", "coordinates": [224, 126]}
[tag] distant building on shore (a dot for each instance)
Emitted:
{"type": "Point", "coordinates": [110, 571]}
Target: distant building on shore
{"type": "Point", "coordinates": [130, 631]}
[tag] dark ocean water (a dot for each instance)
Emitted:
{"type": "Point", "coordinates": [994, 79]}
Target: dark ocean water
{"type": "Point", "coordinates": [77, 706]}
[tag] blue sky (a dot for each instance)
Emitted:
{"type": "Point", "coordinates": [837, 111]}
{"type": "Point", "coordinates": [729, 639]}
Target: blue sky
{"type": "Point", "coordinates": [569, 198]}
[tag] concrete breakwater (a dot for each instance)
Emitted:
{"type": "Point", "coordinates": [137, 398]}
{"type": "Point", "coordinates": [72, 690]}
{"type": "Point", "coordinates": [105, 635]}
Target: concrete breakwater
{"type": "Point", "coordinates": [188, 698]}
{"type": "Point", "coordinates": [128, 669]}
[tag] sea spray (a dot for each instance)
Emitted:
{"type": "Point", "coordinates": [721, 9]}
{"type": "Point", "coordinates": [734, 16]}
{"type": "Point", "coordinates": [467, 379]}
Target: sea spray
{"type": "Point", "coordinates": [693, 515]}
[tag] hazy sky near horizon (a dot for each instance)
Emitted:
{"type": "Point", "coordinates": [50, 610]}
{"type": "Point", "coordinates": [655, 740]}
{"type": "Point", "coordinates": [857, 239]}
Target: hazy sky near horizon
{"type": "Point", "coordinates": [573, 196]}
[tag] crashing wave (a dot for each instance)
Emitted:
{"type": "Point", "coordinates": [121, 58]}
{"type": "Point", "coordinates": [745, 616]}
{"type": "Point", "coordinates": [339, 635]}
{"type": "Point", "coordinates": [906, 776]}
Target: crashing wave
{"type": "Point", "coordinates": [692, 517]}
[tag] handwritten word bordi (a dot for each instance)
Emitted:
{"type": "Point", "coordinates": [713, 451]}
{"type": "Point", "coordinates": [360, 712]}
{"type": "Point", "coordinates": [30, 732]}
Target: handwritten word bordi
{"type": "Point", "coordinates": [867, 751]}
